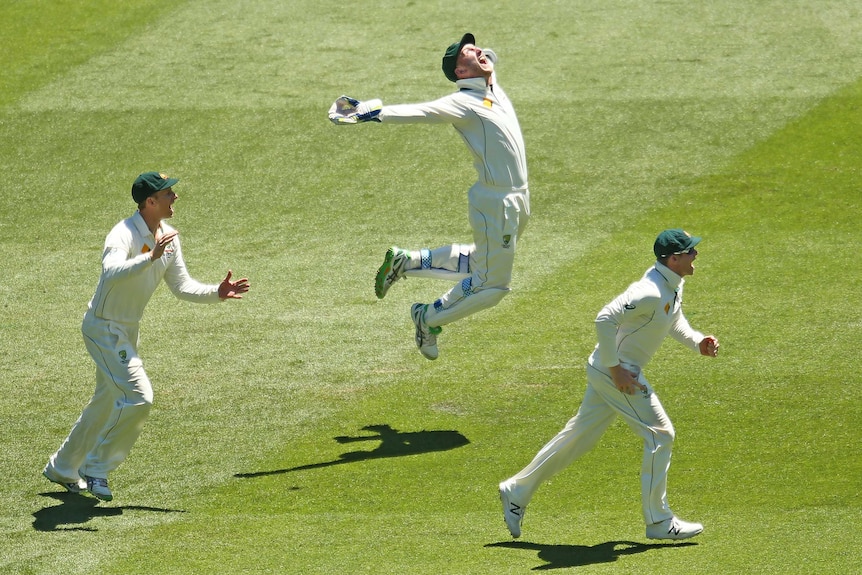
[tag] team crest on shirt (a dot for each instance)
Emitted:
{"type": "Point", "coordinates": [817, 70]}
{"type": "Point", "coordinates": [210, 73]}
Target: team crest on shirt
{"type": "Point", "coordinates": [145, 249]}
{"type": "Point", "coordinates": [667, 308]}
{"type": "Point", "coordinates": [507, 241]}
{"type": "Point", "coordinates": [124, 357]}
{"type": "Point", "coordinates": [487, 103]}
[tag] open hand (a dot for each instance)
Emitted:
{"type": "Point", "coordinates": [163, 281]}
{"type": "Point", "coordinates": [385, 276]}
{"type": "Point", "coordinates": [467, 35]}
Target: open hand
{"type": "Point", "coordinates": [232, 290]}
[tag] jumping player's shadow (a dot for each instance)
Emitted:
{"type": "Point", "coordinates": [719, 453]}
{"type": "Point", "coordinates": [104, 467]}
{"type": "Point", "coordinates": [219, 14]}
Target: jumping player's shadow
{"type": "Point", "coordinates": [76, 510]}
{"type": "Point", "coordinates": [567, 556]}
{"type": "Point", "coordinates": [393, 443]}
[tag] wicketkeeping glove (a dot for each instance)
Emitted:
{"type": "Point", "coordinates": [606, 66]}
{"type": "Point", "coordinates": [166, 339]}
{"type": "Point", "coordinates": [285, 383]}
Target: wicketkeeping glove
{"type": "Point", "coordinates": [347, 110]}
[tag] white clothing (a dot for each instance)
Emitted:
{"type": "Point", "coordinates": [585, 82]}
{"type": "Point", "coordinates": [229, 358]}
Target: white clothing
{"type": "Point", "coordinates": [632, 327]}
{"type": "Point", "coordinates": [630, 330]}
{"type": "Point", "coordinates": [110, 424]}
{"type": "Point", "coordinates": [484, 117]}
{"type": "Point", "coordinates": [499, 201]}
{"type": "Point", "coordinates": [130, 276]}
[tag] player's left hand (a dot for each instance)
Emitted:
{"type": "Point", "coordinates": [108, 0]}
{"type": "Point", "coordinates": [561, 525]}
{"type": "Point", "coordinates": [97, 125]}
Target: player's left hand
{"type": "Point", "coordinates": [709, 346]}
{"type": "Point", "coordinates": [347, 110]}
{"type": "Point", "coordinates": [232, 290]}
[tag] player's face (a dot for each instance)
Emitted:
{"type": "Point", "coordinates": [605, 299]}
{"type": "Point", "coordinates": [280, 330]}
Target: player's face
{"type": "Point", "coordinates": [164, 202]}
{"type": "Point", "coordinates": [683, 264]}
{"type": "Point", "coordinates": [472, 63]}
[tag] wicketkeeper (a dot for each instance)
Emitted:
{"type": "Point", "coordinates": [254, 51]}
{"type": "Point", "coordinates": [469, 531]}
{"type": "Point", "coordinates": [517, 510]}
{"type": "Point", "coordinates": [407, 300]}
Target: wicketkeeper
{"type": "Point", "coordinates": [499, 201]}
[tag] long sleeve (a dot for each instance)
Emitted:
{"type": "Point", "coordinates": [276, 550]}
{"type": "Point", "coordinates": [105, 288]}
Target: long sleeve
{"type": "Point", "coordinates": [485, 119]}
{"type": "Point", "coordinates": [182, 285]}
{"type": "Point", "coordinates": [632, 327]}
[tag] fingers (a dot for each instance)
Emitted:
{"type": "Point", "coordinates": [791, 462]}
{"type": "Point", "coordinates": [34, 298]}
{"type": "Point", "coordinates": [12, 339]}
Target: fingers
{"type": "Point", "coordinates": [631, 389]}
{"type": "Point", "coordinates": [165, 239]}
{"type": "Point", "coordinates": [709, 346]}
{"type": "Point", "coordinates": [630, 385]}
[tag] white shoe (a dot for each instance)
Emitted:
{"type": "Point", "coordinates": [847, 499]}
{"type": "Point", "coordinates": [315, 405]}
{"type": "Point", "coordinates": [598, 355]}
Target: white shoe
{"type": "Point", "coordinates": [673, 528]}
{"type": "Point", "coordinates": [71, 485]}
{"type": "Point", "coordinates": [426, 336]}
{"type": "Point", "coordinates": [98, 486]}
{"type": "Point", "coordinates": [391, 270]}
{"type": "Point", "coordinates": [513, 512]}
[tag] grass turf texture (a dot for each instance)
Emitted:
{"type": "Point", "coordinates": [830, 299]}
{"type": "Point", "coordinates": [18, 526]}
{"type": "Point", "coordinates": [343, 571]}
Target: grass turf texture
{"type": "Point", "coordinates": [740, 121]}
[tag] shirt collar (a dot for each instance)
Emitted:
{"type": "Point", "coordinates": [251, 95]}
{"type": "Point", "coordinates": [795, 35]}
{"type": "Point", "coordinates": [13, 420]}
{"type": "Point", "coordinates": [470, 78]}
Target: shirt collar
{"type": "Point", "coordinates": [141, 225]}
{"type": "Point", "coordinates": [673, 279]}
{"type": "Point", "coordinates": [472, 84]}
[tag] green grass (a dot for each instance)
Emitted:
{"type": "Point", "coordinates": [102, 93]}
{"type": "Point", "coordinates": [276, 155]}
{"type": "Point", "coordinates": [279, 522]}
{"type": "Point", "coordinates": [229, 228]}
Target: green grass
{"type": "Point", "coordinates": [739, 121]}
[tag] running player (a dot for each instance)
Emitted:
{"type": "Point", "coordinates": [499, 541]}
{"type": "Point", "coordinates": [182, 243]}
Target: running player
{"type": "Point", "coordinates": [630, 331]}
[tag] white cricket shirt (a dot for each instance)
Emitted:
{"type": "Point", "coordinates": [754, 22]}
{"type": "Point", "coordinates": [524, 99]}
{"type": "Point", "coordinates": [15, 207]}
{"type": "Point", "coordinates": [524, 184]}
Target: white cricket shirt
{"type": "Point", "coordinates": [130, 277]}
{"type": "Point", "coordinates": [486, 120]}
{"type": "Point", "coordinates": [632, 327]}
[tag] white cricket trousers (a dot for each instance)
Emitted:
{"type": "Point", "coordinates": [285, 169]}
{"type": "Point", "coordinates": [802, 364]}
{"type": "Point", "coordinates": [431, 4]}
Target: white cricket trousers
{"type": "Point", "coordinates": [602, 403]}
{"type": "Point", "coordinates": [498, 218]}
{"type": "Point", "coordinates": [113, 419]}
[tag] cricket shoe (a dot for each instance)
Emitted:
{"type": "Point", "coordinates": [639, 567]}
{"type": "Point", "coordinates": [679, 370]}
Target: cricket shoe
{"type": "Point", "coordinates": [513, 512]}
{"type": "Point", "coordinates": [391, 270]}
{"type": "Point", "coordinates": [426, 336]}
{"type": "Point", "coordinates": [673, 528]}
{"type": "Point", "coordinates": [98, 486]}
{"type": "Point", "coordinates": [71, 485]}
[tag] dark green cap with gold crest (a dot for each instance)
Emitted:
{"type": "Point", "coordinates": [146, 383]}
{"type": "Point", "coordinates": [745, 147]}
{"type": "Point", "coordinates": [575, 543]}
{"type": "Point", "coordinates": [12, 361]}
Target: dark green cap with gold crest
{"type": "Point", "coordinates": [671, 242]}
{"type": "Point", "coordinates": [149, 183]}
{"type": "Point", "coordinates": [450, 58]}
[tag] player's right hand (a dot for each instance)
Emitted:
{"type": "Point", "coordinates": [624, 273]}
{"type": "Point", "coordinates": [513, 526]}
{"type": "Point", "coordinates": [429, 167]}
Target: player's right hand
{"type": "Point", "coordinates": [162, 242]}
{"type": "Point", "coordinates": [626, 381]}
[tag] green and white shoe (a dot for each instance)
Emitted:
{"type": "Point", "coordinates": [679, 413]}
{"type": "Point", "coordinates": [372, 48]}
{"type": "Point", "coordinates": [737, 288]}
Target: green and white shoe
{"type": "Point", "coordinates": [391, 270]}
{"type": "Point", "coordinates": [426, 336]}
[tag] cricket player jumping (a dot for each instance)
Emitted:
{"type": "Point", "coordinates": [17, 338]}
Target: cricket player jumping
{"type": "Point", "coordinates": [499, 201]}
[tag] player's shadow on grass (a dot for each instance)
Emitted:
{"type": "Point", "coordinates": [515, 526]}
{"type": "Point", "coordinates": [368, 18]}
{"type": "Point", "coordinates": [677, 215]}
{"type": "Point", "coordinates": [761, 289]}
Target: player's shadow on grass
{"type": "Point", "coordinates": [76, 510]}
{"type": "Point", "coordinates": [393, 443]}
{"type": "Point", "coordinates": [567, 556]}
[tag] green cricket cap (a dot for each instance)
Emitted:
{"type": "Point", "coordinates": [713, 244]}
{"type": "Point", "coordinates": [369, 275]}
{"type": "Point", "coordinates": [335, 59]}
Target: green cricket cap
{"type": "Point", "coordinates": [450, 58]}
{"type": "Point", "coordinates": [675, 241]}
{"type": "Point", "coordinates": [149, 183]}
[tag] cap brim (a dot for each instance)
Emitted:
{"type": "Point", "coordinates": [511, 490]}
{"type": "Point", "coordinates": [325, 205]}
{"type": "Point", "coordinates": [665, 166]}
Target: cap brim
{"type": "Point", "coordinates": [169, 183]}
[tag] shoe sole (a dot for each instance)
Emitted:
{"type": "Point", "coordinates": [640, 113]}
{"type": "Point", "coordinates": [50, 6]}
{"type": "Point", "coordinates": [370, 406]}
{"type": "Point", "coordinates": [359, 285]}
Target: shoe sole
{"type": "Point", "coordinates": [71, 487]}
{"type": "Point", "coordinates": [100, 496]}
{"type": "Point", "coordinates": [507, 510]}
{"type": "Point", "coordinates": [674, 537]}
{"type": "Point", "coordinates": [670, 537]}
{"type": "Point", "coordinates": [417, 320]}
{"type": "Point", "coordinates": [380, 287]}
